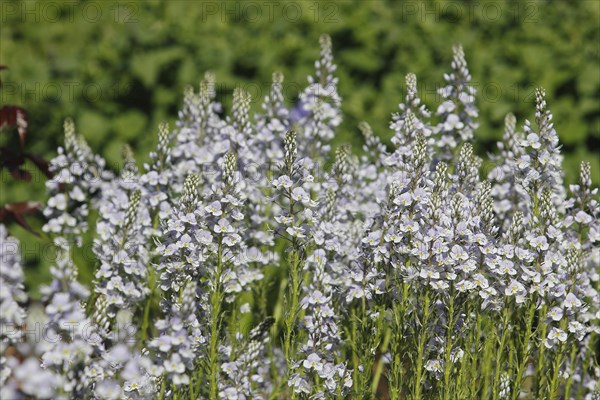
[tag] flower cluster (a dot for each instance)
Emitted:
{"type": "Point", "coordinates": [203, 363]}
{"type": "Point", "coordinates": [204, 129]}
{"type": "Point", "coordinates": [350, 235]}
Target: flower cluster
{"type": "Point", "coordinates": [78, 174]}
{"type": "Point", "coordinates": [12, 297]}
{"type": "Point", "coordinates": [250, 260]}
{"type": "Point", "coordinates": [121, 248]}
{"type": "Point", "coordinates": [458, 111]}
{"type": "Point", "coordinates": [244, 370]}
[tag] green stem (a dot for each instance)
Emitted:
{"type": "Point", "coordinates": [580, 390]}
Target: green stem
{"type": "Point", "coordinates": [488, 357]}
{"type": "Point", "coordinates": [449, 345]}
{"type": "Point", "coordinates": [355, 359]}
{"type": "Point", "coordinates": [586, 365]}
{"type": "Point", "coordinates": [292, 309]}
{"type": "Point", "coordinates": [148, 305]}
{"type": "Point", "coordinates": [395, 378]}
{"type": "Point", "coordinates": [474, 358]}
{"type": "Point", "coordinates": [524, 356]}
{"type": "Point", "coordinates": [379, 339]}
{"type": "Point", "coordinates": [215, 301]}
{"type": "Point", "coordinates": [499, 357]}
{"type": "Point", "coordinates": [163, 385]}
{"type": "Point", "coordinates": [553, 387]}
{"type": "Point", "coordinates": [558, 360]}
{"type": "Point", "coordinates": [363, 350]}
{"type": "Point", "coordinates": [380, 364]}
{"type": "Point", "coordinates": [569, 383]}
{"type": "Point", "coordinates": [146, 319]}
{"type": "Point", "coordinates": [539, 374]}
{"type": "Point", "coordinates": [292, 302]}
{"type": "Point", "coordinates": [421, 348]}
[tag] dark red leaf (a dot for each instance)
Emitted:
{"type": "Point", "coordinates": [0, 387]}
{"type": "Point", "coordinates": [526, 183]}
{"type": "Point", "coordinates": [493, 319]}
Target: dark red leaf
{"type": "Point", "coordinates": [23, 207]}
{"type": "Point", "coordinates": [17, 212]}
{"type": "Point", "coordinates": [42, 164]}
{"type": "Point", "coordinates": [10, 159]}
{"type": "Point", "coordinates": [15, 116]}
{"type": "Point", "coordinates": [20, 174]}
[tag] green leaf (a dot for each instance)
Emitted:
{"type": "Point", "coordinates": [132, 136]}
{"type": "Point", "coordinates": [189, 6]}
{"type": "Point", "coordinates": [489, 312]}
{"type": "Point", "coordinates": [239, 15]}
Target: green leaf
{"type": "Point", "coordinates": [130, 124]}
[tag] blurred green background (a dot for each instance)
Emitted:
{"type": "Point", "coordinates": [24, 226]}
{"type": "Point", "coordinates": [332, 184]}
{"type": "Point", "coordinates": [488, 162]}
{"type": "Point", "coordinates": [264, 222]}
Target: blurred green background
{"type": "Point", "coordinates": [118, 68]}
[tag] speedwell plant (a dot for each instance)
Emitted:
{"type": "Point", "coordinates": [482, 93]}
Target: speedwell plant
{"type": "Point", "coordinates": [241, 263]}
